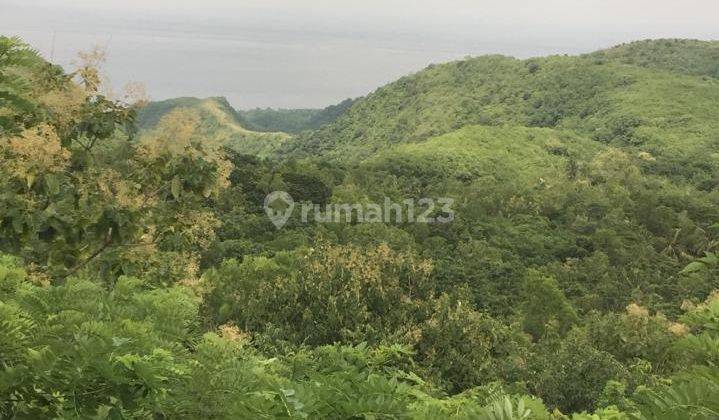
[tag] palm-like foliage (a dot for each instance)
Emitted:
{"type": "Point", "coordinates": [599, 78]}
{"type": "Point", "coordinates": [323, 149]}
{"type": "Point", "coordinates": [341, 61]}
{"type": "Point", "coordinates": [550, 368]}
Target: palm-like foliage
{"type": "Point", "coordinates": [15, 105]}
{"type": "Point", "coordinates": [694, 393]}
{"type": "Point", "coordinates": [108, 308]}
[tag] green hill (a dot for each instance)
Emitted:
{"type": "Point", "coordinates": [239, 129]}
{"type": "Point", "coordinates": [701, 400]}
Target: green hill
{"type": "Point", "coordinates": [218, 122]}
{"type": "Point", "coordinates": [293, 120]}
{"type": "Point", "coordinates": [142, 277]}
{"type": "Point", "coordinates": [688, 56]}
{"type": "Point", "coordinates": [670, 115]}
{"type": "Point", "coordinates": [257, 132]}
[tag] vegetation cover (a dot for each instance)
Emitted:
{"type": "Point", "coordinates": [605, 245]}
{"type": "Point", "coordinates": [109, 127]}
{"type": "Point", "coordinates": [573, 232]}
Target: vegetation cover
{"type": "Point", "coordinates": [141, 278]}
{"type": "Point", "coordinates": [293, 120]}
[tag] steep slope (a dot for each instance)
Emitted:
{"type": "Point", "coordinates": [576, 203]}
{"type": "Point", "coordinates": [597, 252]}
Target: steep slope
{"type": "Point", "coordinates": [218, 122]}
{"type": "Point", "coordinates": [434, 101]}
{"type": "Point", "coordinates": [258, 131]}
{"type": "Point", "coordinates": [150, 114]}
{"type": "Point", "coordinates": [671, 116]}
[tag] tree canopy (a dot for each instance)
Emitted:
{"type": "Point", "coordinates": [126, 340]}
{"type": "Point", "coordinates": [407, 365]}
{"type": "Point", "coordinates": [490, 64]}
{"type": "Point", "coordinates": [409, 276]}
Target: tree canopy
{"type": "Point", "coordinates": [141, 278]}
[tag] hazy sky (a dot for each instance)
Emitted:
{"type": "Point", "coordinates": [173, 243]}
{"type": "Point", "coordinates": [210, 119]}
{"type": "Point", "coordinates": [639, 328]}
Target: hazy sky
{"type": "Point", "coordinates": [312, 53]}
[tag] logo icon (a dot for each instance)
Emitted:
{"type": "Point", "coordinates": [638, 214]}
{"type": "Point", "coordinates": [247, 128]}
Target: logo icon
{"type": "Point", "coordinates": [279, 206]}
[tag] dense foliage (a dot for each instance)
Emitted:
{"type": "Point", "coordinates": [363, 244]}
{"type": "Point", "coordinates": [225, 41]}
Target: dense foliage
{"type": "Point", "coordinates": [140, 277]}
{"type": "Point", "coordinates": [216, 121]}
{"type": "Point", "coordinates": [698, 58]}
{"type": "Point", "coordinates": [293, 120]}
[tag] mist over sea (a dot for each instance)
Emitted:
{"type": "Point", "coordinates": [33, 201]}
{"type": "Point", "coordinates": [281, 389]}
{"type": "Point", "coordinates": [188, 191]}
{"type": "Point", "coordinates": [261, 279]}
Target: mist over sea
{"type": "Point", "coordinates": [262, 56]}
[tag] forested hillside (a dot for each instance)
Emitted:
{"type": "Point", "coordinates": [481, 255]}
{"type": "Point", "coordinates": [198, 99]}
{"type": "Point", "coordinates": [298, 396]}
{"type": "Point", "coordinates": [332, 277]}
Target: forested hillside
{"type": "Point", "coordinates": [141, 278]}
{"type": "Point", "coordinates": [293, 120]}
{"type": "Point", "coordinates": [598, 96]}
{"type": "Point", "coordinates": [693, 57]}
{"type": "Point", "coordinates": [214, 120]}
{"type": "Point", "coordinates": [271, 120]}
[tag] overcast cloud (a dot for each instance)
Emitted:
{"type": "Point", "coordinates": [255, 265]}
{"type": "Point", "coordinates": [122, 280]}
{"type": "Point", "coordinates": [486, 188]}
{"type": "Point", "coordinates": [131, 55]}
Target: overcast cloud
{"type": "Point", "coordinates": [312, 53]}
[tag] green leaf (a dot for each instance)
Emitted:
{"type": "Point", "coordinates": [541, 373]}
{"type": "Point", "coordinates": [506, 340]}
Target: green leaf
{"type": "Point", "coordinates": [710, 259]}
{"type": "Point", "coordinates": [176, 187]}
{"type": "Point", "coordinates": [693, 267]}
{"type": "Point", "coordinates": [53, 184]}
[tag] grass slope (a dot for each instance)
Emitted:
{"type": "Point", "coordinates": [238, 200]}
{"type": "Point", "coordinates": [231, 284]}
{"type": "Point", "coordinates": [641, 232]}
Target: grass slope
{"type": "Point", "coordinates": [669, 115]}
{"type": "Point", "coordinates": [219, 122]}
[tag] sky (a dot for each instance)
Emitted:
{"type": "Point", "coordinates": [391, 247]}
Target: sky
{"type": "Point", "coordinates": [314, 53]}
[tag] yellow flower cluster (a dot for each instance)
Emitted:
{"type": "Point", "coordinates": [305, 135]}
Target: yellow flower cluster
{"type": "Point", "coordinates": [35, 152]}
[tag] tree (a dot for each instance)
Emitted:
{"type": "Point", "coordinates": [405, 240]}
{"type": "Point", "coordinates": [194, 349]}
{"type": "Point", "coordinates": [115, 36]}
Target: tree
{"type": "Point", "coordinates": [546, 308]}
